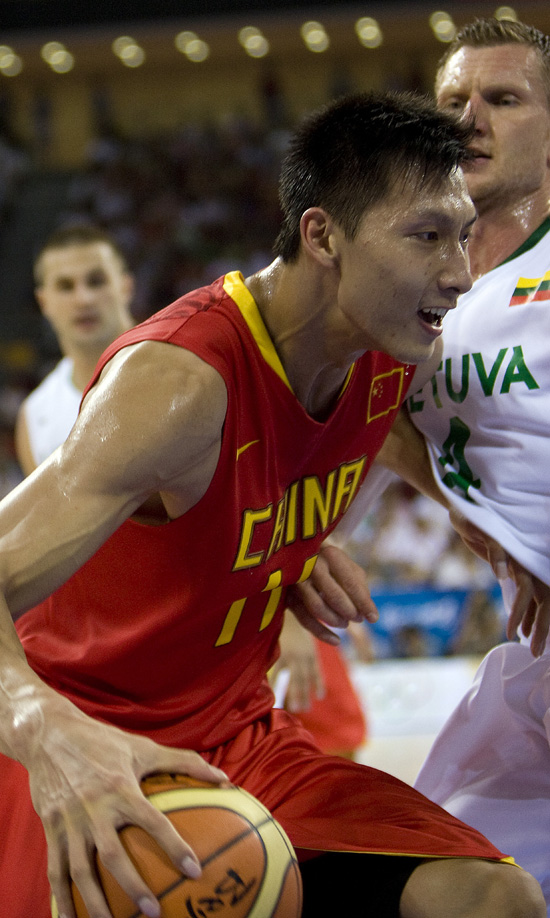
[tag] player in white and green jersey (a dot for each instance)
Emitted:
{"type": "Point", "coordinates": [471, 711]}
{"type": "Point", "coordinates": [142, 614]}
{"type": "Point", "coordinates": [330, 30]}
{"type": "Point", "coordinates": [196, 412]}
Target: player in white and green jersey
{"type": "Point", "coordinates": [486, 412]}
{"type": "Point", "coordinates": [486, 420]}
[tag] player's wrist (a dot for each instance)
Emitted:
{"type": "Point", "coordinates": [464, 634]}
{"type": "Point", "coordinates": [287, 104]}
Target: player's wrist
{"type": "Point", "coordinates": [29, 708]}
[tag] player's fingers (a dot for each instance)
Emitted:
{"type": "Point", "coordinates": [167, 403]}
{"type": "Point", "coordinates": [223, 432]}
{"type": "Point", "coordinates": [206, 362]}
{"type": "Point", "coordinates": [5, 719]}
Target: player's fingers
{"type": "Point", "coordinates": [298, 695]}
{"type": "Point", "coordinates": [144, 814]}
{"type": "Point", "coordinates": [76, 864]}
{"type": "Point", "coordinates": [309, 620]}
{"type": "Point", "coordinates": [325, 599]}
{"type": "Point", "coordinates": [498, 559]}
{"type": "Point", "coordinates": [343, 585]}
{"type": "Point", "coordinates": [319, 687]}
{"type": "Point", "coordinates": [519, 614]}
{"type": "Point", "coordinates": [58, 874]}
{"type": "Point", "coordinates": [306, 683]}
{"type": "Point", "coordinates": [311, 611]}
{"type": "Point", "coordinates": [113, 856]}
{"type": "Point", "coordinates": [540, 627]}
{"type": "Point", "coordinates": [155, 759]}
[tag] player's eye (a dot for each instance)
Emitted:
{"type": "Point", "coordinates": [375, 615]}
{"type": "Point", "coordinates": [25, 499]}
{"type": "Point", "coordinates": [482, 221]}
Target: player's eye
{"type": "Point", "coordinates": [452, 105]}
{"type": "Point", "coordinates": [428, 235]}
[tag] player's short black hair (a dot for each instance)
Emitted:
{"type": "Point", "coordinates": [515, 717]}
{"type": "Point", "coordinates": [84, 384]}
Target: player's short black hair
{"type": "Point", "coordinates": [353, 152]}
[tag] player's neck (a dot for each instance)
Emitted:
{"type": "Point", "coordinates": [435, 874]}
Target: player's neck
{"type": "Point", "coordinates": [498, 232]}
{"type": "Point", "coordinates": [292, 303]}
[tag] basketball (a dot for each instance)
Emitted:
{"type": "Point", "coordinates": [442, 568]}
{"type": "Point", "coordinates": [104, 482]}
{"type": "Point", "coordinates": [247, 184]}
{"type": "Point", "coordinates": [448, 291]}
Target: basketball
{"type": "Point", "coordinates": [249, 868]}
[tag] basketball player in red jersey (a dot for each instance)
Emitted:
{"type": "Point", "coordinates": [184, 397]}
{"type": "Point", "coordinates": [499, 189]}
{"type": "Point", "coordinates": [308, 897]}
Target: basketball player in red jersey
{"type": "Point", "coordinates": [149, 560]}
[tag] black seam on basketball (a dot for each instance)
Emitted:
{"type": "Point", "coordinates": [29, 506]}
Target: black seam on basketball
{"type": "Point", "coordinates": [182, 879]}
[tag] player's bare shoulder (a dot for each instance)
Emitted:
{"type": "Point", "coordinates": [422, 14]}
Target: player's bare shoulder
{"type": "Point", "coordinates": [166, 407]}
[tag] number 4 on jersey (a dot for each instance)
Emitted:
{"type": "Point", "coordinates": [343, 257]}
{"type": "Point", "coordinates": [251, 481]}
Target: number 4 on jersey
{"type": "Point", "coordinates": [453, 454]}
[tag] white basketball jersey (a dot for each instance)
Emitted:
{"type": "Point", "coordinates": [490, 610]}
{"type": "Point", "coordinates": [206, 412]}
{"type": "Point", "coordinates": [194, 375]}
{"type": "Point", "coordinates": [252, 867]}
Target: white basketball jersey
{"type": "Point", "coordinates": [51, 410]}
{"type": "Point", "coordinates": [486, 412]}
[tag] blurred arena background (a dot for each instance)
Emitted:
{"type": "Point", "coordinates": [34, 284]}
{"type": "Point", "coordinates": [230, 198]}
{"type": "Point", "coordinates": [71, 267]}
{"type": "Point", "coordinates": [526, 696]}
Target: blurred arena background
{"type": "Point", "coordinates": [165, 123]}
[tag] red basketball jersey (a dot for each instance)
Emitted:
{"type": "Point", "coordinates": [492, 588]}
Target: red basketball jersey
{"type": "Point", "coordinates": [169, 630]}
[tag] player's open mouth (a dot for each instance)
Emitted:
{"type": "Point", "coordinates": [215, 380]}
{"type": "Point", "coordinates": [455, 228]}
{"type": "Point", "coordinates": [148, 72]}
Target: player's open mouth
{"type": "Point", "coordinates": [433, 317]}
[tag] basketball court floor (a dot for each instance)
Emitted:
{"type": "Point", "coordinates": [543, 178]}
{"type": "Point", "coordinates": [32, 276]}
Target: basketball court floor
{"type": "Point", "coordinates": [406, 702]}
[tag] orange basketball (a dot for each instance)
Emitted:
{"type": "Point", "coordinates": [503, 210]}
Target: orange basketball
{"type": "Point", "coordinates": [249, 869]}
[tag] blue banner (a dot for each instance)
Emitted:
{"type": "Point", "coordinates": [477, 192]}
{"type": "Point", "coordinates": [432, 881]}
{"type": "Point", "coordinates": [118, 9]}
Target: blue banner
{"type": "Point", "coordinates": [431, 622]}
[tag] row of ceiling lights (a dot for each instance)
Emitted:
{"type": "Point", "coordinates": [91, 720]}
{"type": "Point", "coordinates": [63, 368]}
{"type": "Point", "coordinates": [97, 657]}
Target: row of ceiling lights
{"type": "Point", "coordinates": [253, 41]}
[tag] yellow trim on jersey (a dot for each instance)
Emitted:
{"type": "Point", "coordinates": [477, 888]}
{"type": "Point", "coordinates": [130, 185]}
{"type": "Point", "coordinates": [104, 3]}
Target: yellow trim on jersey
{"type": "Point", "coordinates": [347, 379]}
{"type": "Point", "coordinates": [243, 449]}
{"type": "Point", "coordinates": [234, 286]}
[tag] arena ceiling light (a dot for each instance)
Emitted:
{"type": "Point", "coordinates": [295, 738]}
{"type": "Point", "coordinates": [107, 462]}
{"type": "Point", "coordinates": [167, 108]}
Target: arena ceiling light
{"type": "Point", "coordinates": [368, 32]}
{"type": "Point", "coordinates": [194, 48]}
{"type": "Point", "coordinates": [55, 54]}
{"type": "Point", "coordinates": [254, 41]}
{"type": "Point", "coordinates": [128, 51]}
{"type": "Point", "coordinates": [506, 12]}
{"type": "Point", "coordinates": [10, 63]}
{"type": "Point", "coordinates": [315, 36]}
{"type": "Point", "coordinates": [442, 26]}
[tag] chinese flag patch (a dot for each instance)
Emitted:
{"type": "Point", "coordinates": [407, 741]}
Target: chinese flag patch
{"type": "Point", "coordinates": [386, 393]}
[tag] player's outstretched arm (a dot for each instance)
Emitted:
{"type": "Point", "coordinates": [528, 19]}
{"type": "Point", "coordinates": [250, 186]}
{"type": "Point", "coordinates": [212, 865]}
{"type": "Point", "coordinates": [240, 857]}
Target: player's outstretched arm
{"type": "Point", "coordinates": [141, 433]}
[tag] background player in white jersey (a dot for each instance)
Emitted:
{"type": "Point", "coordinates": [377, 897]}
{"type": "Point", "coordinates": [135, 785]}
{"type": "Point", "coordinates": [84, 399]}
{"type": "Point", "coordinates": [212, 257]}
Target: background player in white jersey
{"type": "Point", "coordinates": [486, 419]}
{"type": "Point", "coordinates": [84, 289]}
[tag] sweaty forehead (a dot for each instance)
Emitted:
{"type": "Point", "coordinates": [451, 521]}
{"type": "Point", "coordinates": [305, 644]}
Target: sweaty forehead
{"type": "Point", "coordinates": [510, 65]}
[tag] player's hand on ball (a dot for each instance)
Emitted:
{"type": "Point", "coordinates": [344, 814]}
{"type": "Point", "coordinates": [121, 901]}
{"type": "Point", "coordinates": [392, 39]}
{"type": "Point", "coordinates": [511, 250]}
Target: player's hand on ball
{"type": "Point", "coordinates": [249, 867]}
{"type": "Point", "coordinates": [84, 781]}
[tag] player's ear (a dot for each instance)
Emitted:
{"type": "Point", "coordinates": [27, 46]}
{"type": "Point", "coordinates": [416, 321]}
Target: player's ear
{"type": "Point", "coordinates": [318, 235]}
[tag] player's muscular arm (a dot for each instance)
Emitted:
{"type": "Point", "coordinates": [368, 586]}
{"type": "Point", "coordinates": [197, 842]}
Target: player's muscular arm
{"type": "Point", "coordinates": [152, 424]}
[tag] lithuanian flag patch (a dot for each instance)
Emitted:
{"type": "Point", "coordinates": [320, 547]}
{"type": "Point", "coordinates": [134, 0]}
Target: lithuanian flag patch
{"type": "Point", "coordinates": [531, 290]}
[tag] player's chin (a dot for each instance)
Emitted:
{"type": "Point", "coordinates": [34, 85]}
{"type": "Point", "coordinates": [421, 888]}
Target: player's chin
{"type": "Point", "coordinates": [415, 352]}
